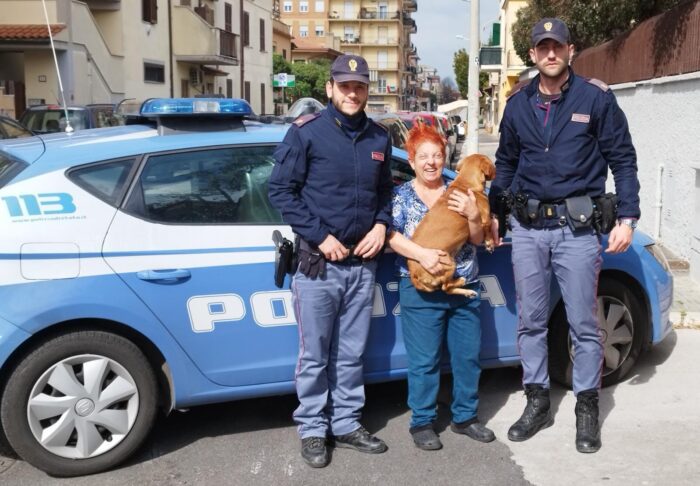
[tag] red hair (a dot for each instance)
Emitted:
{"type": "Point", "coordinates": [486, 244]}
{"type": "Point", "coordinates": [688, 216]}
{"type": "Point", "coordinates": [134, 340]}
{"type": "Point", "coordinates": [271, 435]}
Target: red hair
{"type": "Point", "coordinates": [421, 133]}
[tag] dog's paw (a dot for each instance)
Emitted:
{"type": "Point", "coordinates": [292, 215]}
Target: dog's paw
{"type": "Point", "coordinates": [490, 245]}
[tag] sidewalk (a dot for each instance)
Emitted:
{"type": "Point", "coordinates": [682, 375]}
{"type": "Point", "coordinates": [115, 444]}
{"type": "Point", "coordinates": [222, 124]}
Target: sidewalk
{"type": "Point", "coordinates": [685, 310]}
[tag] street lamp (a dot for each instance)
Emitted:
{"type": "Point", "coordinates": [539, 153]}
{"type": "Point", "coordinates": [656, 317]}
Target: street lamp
{"type": "Point", "coordinates": [473, 81]}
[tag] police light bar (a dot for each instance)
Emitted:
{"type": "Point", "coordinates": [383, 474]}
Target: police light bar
{"type": "Point", "coordinates": [156, 107]}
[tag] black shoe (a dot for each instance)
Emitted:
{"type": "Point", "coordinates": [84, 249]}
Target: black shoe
{"type": "Point", "coordinates": [587, 426]}
{"type": "Point", "coordinates": [425, 438]}
{"type": "Point", "coordinates": [474, 429]}
{"type": "Point", "coordinates": [536, 416]}
{"type": "Point", "coordinates": [362, 441]}
{"type": "Point", "coordinates": [314, 451]}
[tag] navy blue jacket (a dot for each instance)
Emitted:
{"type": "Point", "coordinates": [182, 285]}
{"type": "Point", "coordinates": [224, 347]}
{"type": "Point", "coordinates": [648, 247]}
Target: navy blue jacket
{"type": "Point", "coordinates": [327, 182]}
{"type": "Point", "coordinates": [589, 133]}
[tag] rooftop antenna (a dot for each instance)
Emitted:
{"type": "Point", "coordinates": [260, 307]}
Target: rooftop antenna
{"type": "Point", "coordinates": [69, 129]}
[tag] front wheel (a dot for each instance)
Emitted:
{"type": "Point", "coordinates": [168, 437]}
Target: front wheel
{"type": "Point", "coordinates": [624, 328]}
{"type": "Point", "coordinates": [79, 403]}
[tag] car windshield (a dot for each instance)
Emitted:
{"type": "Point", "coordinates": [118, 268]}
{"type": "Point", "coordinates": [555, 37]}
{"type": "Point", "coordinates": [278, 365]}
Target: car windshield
{"type": "Point", "coordinates": [9, 167]}
{"type": "Point", "coordinates": [54, 120]}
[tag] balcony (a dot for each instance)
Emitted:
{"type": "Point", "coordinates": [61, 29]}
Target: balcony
{"type": "Point", "coordinates": [383, 66]}
{"type": "Point", "coordinates": [376, 14]}
{"type": "Point", "coordinates": [206, 13]}
{"type": "Point", "coordinates": [104, 4]}
{"type": "Point", "coordinates": [410, 6]}
{"type": "Point", "coordinates": [490, 58]}
{"type": "Point", "coordinates": [198, 42]}
{"type": "Point", "coordinates": [410, 25]}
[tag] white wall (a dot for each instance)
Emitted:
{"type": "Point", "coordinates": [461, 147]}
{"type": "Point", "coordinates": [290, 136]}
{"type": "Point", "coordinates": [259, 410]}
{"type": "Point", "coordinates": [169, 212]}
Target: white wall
{"type": "Point", "coordinates": [664, 119]}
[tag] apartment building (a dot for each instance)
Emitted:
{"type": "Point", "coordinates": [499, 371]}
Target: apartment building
{"type": "Point", "coordinates": [511, 65]}
{"type": "Point", "coordinates": [109, 50]}
{"type": "Point", "coordinates": [378, 30]}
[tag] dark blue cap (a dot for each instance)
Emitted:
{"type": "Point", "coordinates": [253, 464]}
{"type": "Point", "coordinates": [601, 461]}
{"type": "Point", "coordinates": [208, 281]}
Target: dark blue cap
{"type": "Point", "coordinates": [550, 28]}
{"type": "Point", "coordinates": [349, 67]}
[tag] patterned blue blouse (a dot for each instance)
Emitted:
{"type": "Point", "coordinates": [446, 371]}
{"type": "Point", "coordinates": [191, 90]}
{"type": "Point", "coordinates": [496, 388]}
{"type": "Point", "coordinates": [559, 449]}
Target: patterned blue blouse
{"type": "Point", "coordinates": [407, 211]}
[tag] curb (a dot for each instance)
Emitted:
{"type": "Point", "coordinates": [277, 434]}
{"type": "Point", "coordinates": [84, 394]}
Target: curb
{"type": "Point", "coordinates": [682, 319]}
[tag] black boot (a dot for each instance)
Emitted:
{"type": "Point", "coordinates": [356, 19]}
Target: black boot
{"type": "Point", "coordinates": [536, 415]}
{"type": "Point", "coordinates": [587, 426]}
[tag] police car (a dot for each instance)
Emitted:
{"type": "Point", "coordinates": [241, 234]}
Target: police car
{"type": "Point", "coordinates": [136, 275]}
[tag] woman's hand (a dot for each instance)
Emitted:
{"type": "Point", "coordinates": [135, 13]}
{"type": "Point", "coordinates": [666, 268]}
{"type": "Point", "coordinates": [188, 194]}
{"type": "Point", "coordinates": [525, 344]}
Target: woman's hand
{"type": "Point", "coordinates": [431, 260]}
{"type": "Point", "coordinates": [464, 204]}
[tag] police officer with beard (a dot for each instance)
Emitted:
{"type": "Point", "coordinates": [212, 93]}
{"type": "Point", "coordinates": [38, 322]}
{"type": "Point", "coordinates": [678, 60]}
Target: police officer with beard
{"type": "Point", "coordinates": [559, 135]}
{"type": "Point", "coordinates": [332, 183]}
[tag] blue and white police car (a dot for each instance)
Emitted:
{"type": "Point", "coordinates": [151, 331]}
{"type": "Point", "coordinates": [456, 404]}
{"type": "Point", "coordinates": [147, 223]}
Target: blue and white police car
{"type": "Point", "coordinates": [136, 275]}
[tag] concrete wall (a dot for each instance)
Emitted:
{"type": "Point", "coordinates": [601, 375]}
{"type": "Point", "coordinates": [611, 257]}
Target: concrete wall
{"type": "Point", "coordinates": [664, 119]}
{"type": "Point", "coordinates": [258, 63]}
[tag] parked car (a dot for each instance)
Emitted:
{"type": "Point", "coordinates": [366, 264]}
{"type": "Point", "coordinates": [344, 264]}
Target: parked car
{"type": "Point", "coordinates": [410, 118]}
{"type": "Point", "coordinates": [394, 125]}
{"type": "Point", "coordinates": [448, 131]}
{"type": "Point", "coordinates": [52, 118]}
{"type": "Point", "coordinates": [459, 126]}
{"type": "Point", "coordinates": [303, 106]}
{"type": "Point", "coordinates": [137, 275]}
{"type": "Point", "coordinates": [9, 128]}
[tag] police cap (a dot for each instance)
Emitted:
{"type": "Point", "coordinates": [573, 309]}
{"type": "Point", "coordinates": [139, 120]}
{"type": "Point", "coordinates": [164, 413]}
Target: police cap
{"type": "Point", "coordinates": [349, 67]}
{"type": "Point", "coordinates": [550, 28]}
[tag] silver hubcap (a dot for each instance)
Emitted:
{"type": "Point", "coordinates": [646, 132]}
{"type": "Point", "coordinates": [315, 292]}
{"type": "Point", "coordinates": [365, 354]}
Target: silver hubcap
{"type": "Point", "coordinates": [83, 406]}
{"type": "Point", "coordinates": [616, 331]}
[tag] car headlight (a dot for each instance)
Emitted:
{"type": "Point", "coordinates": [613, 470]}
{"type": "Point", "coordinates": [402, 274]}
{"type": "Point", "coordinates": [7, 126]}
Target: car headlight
{"type": "Point", "coordinates": [658, 254]}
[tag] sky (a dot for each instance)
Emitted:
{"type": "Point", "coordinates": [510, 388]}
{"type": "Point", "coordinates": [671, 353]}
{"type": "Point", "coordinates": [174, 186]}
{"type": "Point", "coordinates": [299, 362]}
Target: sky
{"type": "Point", "coordinates": [439, 21]}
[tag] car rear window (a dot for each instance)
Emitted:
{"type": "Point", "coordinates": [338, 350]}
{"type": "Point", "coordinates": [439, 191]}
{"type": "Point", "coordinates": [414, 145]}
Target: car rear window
{"type": "Point", "coordinates": [9, 168]}
{"type": "Point", "coordinates": [106, 180]}
{"type": "Point", "coordinates": [54, 120]}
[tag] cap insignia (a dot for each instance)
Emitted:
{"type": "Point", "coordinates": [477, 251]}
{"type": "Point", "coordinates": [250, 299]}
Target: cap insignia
{"type": "Point", "coordinates": [548, 26]}
{"type": "Point", "coordinates": [353, 65]}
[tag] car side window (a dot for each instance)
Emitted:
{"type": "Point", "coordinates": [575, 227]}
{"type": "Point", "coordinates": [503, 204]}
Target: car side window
{"type": "Point", "coordinates": [107, 181]}
{"type": "Point", "coordinates": [12, 130]}
{"type": "Point", "coordinates": [401, 171]}
{"type": "Point", "coordinates": [219, 186]}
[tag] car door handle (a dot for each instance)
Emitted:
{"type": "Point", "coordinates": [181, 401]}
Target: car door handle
{"type": "Point", "coordinates": [164, 276]}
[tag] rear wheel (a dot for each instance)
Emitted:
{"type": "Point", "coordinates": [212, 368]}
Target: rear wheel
{"type": "Point", "coordinates": [624, 328]}
{"type": "Point", "coordinates": [80, 403]}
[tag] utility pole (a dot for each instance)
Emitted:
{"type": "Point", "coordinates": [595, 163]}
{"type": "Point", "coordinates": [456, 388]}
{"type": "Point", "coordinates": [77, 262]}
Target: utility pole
{"type": "Point", "coordinates": [473, 80]}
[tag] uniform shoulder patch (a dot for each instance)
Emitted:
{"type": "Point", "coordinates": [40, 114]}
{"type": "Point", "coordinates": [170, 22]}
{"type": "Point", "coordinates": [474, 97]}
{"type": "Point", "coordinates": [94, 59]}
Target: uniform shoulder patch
{"type": "Point", "coordinates": [598, 83]}
{"type": "Point", "coordinates": [304, 119]}
{"type": "Point", "coordinates": [518, 87]}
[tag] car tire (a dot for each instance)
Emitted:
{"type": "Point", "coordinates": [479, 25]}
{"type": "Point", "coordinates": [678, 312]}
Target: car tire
{"type": "Point", "coordinates": [624, 327]}
{"type": "Point", "coordinates": [79, 403]}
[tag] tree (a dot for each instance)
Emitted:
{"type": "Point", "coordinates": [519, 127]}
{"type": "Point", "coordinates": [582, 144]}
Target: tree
{"type": "Point", "coordinates": [460, 65]}
{"type": "Point", "coordinates": [590, 23]}
{"type": "Point", "coordinates": [310, 80]}
{"type": "Point", "coordinates": [280, 64]}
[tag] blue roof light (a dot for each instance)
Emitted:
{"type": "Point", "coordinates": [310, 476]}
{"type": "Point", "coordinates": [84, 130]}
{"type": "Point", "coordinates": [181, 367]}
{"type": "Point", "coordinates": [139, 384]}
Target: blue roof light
{"type": "Point", "coordinates": [195, 106]}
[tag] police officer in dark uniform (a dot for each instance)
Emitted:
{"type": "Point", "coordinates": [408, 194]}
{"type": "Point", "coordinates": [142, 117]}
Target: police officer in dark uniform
{"type": "Point", "coordinates": [332, 183]}
{"type": "Point", "coordinates": [559, 135]}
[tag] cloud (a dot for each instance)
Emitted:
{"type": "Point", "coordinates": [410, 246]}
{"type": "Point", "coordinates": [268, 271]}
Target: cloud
{"type": "Point", "coordinates": [439, 21]}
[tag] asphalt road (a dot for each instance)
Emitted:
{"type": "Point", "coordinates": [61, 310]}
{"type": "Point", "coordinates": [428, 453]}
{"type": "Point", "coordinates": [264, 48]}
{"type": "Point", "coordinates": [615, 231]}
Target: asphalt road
{"type": "Point", "coordinates": [650, 427]}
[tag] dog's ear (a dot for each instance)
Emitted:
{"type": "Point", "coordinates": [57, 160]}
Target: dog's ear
{"type": "Point", "coordinates": [487, 167]}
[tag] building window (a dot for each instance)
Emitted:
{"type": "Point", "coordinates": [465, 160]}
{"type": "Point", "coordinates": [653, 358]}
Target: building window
{"type": "Point", "coordinates": [153, 73]}
{"type": "Point", "coordinates": [262, 35]}
{"type": "Point", "coordinates": [303, 31]}
{"type": "Point", "coordinates": [287, 6]}
{"type": "Point", "coordinates": [303, 6]}
{"type": "Point", "coordinates": [349, 33]}
{"type": "Point", "coordinates": [246, 91]}
{"type": "Point", "coordinates": [228, 17]}
{"type": "Point", "coordinates": [246, 29]}
{"type": "Point", "coordinates": [149, 11]}
{"type": "Point", "coordinates": [284, 54]}
{"type": "Point", "coordinates": [319, 31]}
{"type": "Point", "coordinates": [229, 88]}
{"type": "Point", "coordinates": [320, 6]}
{"type": "Point", "coordinates": [262, 98]}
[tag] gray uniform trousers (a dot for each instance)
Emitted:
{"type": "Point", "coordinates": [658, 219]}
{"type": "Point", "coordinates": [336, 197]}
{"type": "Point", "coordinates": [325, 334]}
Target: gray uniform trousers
{"type": "Point", "coordinates": [333, 314]}
{"type": "Point", "coordinates": [575, 261]}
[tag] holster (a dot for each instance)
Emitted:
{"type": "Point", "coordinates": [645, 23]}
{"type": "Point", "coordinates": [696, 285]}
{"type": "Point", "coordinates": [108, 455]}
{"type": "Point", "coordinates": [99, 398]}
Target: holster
{"type": "Point", "coordinates": [504, 205]}
{"type": "Point", "coordinates": [579, 212]}
{"type": "Point", "coordinates": [312, 263]}
{"type": "Point", "coordinates": [284, 256]}
{"type": "Point", "coordinates": [605, 213]}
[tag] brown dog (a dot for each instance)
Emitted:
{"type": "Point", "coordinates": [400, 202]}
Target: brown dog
{"type": "Point", "coordinates": [444, 229]}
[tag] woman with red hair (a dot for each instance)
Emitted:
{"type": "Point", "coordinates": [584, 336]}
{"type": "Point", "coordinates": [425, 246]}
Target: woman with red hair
{"type": "Point", "coordinates": [427, 317]}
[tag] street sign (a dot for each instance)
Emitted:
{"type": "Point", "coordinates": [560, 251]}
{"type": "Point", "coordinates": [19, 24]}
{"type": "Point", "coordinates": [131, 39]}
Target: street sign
{"type": "Point", "coordinates": [283, 80]}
